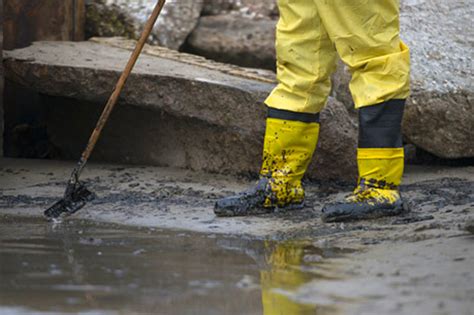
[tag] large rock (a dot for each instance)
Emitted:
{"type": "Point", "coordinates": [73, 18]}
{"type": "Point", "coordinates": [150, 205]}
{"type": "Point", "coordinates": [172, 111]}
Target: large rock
{"type": "Point", "coordinates": [171, 112]}
{"type": "Point", "coordinates": [247, 8]}
{"type": "Point", "coordinates": [233, 39]}
{"type": "Point", "coordinates": [440, 115]}
{"type": "Point", "coordinates": [127, 18]}
{"type": "Point", "coordinates": [108, 20]}
{"type": "Point", "coordinates": [216, 7]}
{"type": "Point", "coordinates": [441, 124]}
{"type": "Point", "coordinates": [340, 86]}
{"type": "Point", "coordinates": [337, 143]}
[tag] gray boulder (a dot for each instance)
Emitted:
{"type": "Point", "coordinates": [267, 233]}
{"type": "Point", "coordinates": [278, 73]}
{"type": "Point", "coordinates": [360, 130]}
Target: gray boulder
{"type": "Point", "coordinates": [215, 7]}
{"type": "Point", "coordinates": [247, 8]}
{"type": "Point", "coordinates": [234, 39]}
{"type": "Point", "coordinates": [127, 18]}
{"type": "Point", "coordinates": [108, 20]}
{"type": "Point", "coordinates": [336, 151]}
{"type": "Point", "coordinates": [440, 115]}
{"type": "Point", "coordinates": [441, 124]}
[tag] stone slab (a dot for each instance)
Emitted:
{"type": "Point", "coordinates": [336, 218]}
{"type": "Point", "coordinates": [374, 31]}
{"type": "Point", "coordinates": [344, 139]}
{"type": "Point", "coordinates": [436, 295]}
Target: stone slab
{"type": "Point", "coordinates": [212, 120]}
{"type": "Point", "coordinates": [128, 17]}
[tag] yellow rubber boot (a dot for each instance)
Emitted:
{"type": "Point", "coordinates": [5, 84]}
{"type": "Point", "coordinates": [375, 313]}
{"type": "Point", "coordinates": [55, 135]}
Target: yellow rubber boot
{"type": "Point", "coordinates": [287, 152]}
{"type": "Point", "coordinates": [290, 140]}
{"type": "Point", "coordinates": [380, 160]}
{"type": "Point", "coordinates": [376, 195]}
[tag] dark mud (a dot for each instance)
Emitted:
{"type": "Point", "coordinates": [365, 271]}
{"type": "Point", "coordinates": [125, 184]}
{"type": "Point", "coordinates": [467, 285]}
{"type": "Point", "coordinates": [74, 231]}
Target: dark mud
{"type": "Point", "coordinates": [445, 199]}
{"type": "Point", "coordinates": [441, 193]}
{"type": "Point", "coordinates": [163, 193]}
{"type": "Point", "coordinates": [81, 266]}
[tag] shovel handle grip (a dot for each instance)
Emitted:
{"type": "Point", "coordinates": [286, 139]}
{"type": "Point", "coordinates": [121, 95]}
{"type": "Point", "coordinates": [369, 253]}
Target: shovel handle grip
{"type": "Point", "coordinates": [119, 86]}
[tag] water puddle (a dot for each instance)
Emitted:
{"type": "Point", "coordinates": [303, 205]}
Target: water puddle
{"type": "Point", "coordinates": [93, 268]}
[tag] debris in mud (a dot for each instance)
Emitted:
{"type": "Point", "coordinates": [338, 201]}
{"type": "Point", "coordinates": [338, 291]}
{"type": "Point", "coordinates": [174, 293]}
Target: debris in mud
{"type": "Point", "coordinates": [139, 252]}
{"type": "Point", "coordinates": [412, 219]}
{"type": "Point", "coordinates": [428, 226]}
{"type": "Point", "coordinates": [91, 241]}
{"type": "Point", "coordinates": [440, 193]}
{"type": "Point", "coordinates": [470, 226]}
{"type": "Point", "coordinates": [183, 199]}
{"type": "Point", "coordinates": [14, 201]}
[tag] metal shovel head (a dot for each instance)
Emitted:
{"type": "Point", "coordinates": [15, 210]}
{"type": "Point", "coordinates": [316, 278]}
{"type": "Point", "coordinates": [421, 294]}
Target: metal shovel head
{"type": "Point", "coordinates": [71, 203]}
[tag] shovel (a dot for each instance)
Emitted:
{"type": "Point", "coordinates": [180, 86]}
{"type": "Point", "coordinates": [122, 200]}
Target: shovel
{"type": "Point", "coordinates": [77, 195]}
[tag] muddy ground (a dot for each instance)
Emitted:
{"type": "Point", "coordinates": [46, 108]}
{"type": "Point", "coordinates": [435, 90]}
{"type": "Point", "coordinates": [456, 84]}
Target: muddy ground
{"type": "Point", "coordinates": [420, 262]}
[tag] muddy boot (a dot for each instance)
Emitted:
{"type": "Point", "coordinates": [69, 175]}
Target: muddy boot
{"type": "Point", "coordinates": [369, 203]}
{"type": "Point", "coordinates": [249, 202]}
{"type": "Point", "coordinates": [246, 203]}
{"type": "Point", "coordinates": [380, 159]}
{"type": "Point", "coordinates": [290, 140]}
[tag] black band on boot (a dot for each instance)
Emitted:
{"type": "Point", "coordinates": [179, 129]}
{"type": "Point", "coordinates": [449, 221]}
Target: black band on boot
{"type": "Point", "coordinates": [380, 125]}
{"type": "Point", "coordinates": [294, 116]}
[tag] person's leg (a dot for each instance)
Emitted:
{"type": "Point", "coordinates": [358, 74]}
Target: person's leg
{"type": "Point", "coordinates": [366, 35]}
{"type": "Point", "coordinates": [306, 58]}
{"type": "Point", "coordinates": [305, 61]}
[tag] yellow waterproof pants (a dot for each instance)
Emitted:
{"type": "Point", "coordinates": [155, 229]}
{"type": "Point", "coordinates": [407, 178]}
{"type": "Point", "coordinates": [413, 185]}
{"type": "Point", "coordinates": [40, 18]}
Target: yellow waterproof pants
{"type": "Point", "coordinates": [364, 33]}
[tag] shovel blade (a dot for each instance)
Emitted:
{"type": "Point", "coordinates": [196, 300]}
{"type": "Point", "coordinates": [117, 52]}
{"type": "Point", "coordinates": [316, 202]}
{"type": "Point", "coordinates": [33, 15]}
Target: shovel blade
{"type": "Point", "coordinates": [71, 203]}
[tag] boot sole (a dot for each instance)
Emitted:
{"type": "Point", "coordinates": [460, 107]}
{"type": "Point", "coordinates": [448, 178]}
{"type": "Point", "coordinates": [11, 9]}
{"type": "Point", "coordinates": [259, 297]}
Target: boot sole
{"type": "Point", "coordinates": [370, 214]}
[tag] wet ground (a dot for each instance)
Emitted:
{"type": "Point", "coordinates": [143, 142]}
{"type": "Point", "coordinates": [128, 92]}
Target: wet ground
{"type": "Point", "coordinates": [81, 266]}
{"type": "Point", "coordinates": [420, 262]}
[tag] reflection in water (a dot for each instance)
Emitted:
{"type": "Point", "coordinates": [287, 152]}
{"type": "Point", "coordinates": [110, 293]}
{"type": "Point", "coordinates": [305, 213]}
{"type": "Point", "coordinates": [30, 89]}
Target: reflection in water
{"type": "Point", "coordinates": [285, 274]}
{"type": "Point", "coordinates": [285, 266]}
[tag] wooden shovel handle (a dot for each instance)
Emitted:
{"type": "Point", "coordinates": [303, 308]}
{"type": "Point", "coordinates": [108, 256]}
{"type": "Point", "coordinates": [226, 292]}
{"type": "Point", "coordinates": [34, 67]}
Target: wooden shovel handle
{"type": "Point", "coordinates": [121, 82]}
